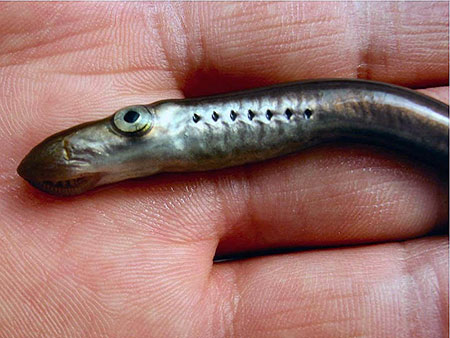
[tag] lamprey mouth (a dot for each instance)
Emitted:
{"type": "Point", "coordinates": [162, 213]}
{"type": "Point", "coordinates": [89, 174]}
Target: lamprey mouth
{"type": "Point", "coordinates": [68, 187]}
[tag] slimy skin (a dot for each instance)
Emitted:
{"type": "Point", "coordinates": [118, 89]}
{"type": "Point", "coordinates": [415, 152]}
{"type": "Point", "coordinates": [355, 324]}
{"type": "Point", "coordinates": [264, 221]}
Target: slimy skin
{"type": "Point", "coordinates": [231, 129]}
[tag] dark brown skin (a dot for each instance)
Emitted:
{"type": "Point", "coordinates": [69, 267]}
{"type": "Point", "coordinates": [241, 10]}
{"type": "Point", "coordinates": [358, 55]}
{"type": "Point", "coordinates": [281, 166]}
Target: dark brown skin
{"type": "Point", "coordinates": [136, 258]}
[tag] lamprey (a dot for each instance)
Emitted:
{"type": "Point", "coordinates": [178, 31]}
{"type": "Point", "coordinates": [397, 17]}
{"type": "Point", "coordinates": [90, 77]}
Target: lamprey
{"type": "Point", "coordinates": [226, 130]}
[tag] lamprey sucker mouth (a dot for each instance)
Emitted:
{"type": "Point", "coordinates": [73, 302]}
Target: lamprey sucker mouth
{"type": "Point", "coordinates": [69, 187]}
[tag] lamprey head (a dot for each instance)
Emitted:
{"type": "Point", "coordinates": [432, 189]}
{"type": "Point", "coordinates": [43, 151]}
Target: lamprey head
{"type": "Point", "coordinates": [91, 154]}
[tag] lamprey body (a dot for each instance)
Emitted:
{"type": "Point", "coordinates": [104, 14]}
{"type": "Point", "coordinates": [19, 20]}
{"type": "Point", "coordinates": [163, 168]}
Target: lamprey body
{"type": "Point", "coordinates": [231, 129]}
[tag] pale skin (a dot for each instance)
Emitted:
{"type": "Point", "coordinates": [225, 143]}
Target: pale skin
{"type": "Point", "coordinates": [135, 259]}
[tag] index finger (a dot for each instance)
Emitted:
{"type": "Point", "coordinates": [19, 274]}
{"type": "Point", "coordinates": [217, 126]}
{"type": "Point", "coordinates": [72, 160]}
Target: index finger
{"type": "Point", "coordinates": [232, 46]}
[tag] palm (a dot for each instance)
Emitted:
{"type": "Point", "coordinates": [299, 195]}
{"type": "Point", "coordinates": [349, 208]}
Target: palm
{"type": "Point", "coordinates": [135, 259]}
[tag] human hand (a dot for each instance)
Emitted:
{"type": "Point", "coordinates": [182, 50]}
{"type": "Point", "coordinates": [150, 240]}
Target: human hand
{"type": "Point", "coordinates": [136, 258]}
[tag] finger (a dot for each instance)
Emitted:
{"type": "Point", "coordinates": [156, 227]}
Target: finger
{"type": "Point", "coordinates": [366, 291]}
{"type": "Point", "coordinates": [439, 93]}
{"type": "Point", "coordinates": [309, 40]}
{"type": "Point", "coordinates": [329, 196]}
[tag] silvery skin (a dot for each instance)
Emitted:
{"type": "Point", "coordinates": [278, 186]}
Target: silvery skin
{"type": "Point", "coordinates": [236, 128]}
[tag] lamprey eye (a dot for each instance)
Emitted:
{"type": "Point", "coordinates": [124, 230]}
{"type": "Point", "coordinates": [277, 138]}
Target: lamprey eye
{"type": "Point", "coordinates": [135, 120]}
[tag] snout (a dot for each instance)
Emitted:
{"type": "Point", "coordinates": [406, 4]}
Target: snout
{"type": "Point", "coordinates": [45, 161]}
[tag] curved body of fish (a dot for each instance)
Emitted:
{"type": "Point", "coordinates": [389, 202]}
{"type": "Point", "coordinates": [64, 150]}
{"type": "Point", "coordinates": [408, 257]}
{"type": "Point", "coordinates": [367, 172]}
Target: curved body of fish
{"type": "Point", "coordinates": [231, 129]}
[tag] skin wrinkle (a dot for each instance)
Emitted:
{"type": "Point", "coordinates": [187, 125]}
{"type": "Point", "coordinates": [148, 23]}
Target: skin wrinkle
{"type": "Point", "coordinates": [409, 270]}
{"type": "Point", "coordinates": [248, 214]}
{"type": "Point", "coordinates": [237, 185]}
{"type": "Point", "coordinates": [236, 294]}
{"type": "Point", "coordinates": [364, 70]}
{"type": "Point", "coordinates": [54, 41]}
{"type": "Point", "coordinates": [169, 42]}
{"type": "Point", "coordinates": [409, 277]}
{"type": "Point", "coordinates": [235, 300]}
